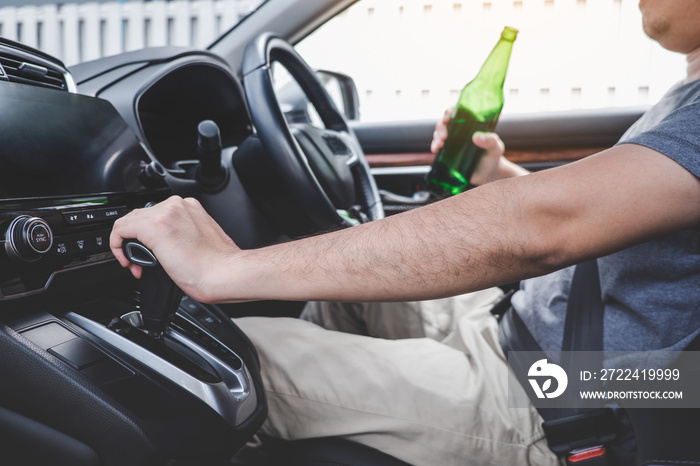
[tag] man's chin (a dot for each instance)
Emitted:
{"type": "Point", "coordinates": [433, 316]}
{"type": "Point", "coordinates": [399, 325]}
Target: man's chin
{"type": "Point", "coordinates": [656, 30]}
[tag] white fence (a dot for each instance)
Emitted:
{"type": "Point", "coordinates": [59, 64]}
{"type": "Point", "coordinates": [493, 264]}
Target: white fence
{"type": "Point", "coordinates": [82, 32]}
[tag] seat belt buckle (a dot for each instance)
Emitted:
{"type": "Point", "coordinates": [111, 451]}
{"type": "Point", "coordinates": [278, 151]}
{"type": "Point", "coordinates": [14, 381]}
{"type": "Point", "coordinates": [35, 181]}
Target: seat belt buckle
{"type": "Point", "coordinates": [581, 439]}
{"type": "Point", "coordinates": [592, 456]}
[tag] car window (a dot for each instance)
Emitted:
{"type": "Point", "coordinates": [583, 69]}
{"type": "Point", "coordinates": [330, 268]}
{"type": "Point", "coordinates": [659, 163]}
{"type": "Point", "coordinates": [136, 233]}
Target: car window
{"type": "Point", "coordinates": [80, 30]}
{"type": "Point", "coordinates": [410, 58]}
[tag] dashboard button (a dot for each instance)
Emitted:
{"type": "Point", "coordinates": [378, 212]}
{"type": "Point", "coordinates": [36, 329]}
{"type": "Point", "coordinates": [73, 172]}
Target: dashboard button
{"type": "Point", "coordinates": [101, 241]}
{"type": "Point", "coordinates": [90, 216]}
{"type": "Point", "coordinates": [40, 237]}
{"type": "Point", "coordinates": [209, 321]}
{"type": "Point", "coordinates": [61, 248]}
{"type": "Point", "coordinates": [190, 306]}
{"type": "Point", "coordinates": [73, 218]}
{"type": "Point", "coordinates": [110, 214]}
{"type": "Point", "coordinates": [80, 244]}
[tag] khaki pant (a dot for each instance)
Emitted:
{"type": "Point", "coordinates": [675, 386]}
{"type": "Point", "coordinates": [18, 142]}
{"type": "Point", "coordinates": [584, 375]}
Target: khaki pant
{"type": "Point", "coordinates": [428, 385]}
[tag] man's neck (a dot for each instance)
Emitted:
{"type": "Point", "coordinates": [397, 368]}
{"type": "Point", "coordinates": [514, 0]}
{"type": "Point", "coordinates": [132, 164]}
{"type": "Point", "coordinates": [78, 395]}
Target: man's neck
{"type": "Point", "coordinates": [693, 59]}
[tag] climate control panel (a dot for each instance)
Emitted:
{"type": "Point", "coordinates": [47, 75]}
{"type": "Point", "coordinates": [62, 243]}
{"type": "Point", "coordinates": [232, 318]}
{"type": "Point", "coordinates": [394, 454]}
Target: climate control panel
{"type": "Point", "coordinates": [43, 237]}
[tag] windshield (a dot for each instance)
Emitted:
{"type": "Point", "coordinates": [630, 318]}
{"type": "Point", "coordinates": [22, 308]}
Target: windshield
{"type": "Point", "coordinates": [81, 30]}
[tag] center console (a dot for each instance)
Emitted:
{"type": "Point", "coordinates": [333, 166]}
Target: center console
{"type": "Point", "coordinates": [85, 380]}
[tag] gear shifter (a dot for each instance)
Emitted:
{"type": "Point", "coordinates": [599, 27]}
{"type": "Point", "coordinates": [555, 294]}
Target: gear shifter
{"type": "Point", "coordinates": [160, 296]}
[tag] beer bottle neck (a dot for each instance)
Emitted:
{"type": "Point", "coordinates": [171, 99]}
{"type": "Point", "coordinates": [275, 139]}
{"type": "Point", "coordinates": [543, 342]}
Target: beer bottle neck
{"type": "Point", "coordinates": [493, 72]}
{"type": "Point", "coordinates": [483, 96]}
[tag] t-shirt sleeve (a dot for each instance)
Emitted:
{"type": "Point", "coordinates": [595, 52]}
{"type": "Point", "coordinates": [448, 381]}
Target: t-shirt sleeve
{"type": "Point", "coordinates": [677, 136]}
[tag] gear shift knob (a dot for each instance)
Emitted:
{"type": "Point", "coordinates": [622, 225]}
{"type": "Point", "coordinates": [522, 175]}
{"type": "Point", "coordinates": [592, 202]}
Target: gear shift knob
{"type": "Point", "coordinates": [210, 173]}
{"type": "Point", "coordinates": [160, 296]}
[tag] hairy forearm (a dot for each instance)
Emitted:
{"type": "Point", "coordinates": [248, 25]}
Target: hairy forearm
{"type": "Point", "coordinates": [501, 232]}
{"type": "Point", "coordinates": [453, 246]}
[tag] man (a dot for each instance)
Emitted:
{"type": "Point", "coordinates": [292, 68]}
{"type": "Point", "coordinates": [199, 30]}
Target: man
{"type": "Point", "coordinates": [636, 205]}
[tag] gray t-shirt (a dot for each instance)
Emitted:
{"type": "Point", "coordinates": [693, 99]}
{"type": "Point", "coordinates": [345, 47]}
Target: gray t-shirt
{"type": "Point", "coordinates": [650, 291]}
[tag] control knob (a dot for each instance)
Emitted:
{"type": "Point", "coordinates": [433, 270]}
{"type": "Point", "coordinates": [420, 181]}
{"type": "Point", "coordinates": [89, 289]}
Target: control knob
{"type": "Point", "coordinates": [28, 238]}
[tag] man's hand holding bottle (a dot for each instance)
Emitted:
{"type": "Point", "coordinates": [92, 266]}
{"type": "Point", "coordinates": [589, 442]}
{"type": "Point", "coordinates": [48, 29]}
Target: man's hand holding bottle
{"type": "Point", "coordinates": [493, 165]}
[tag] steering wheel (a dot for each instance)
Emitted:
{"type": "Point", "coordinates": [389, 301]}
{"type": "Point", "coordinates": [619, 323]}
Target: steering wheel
{"type": "Point", "coordinates": [323, 170]}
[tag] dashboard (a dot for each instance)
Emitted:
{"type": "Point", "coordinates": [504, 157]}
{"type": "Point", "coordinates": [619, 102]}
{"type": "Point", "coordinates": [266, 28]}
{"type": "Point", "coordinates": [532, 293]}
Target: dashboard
{"type": "Point", "coordinates": [69, 166]}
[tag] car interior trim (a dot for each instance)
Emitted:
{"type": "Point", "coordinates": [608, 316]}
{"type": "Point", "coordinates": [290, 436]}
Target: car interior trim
{"type": "Point", "coordinates": [232, 398]}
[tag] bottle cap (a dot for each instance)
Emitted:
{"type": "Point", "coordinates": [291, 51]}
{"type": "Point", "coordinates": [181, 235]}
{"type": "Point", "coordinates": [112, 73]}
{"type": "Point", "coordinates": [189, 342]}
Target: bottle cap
{"type": "Point", "coordinates": [509, 33]}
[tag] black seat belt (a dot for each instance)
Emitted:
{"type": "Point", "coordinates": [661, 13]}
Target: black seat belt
{"type": "Point", "coordinates": [578, 436]}
{"type": "Point", "coordinates": [581, 438]}
{"type": "Point", "coordinates": [583, 327]}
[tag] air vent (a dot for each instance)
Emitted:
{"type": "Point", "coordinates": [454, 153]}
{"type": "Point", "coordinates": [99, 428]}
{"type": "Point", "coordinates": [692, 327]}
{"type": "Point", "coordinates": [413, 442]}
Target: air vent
{"type": "Point", "coordinates": [25, 72]}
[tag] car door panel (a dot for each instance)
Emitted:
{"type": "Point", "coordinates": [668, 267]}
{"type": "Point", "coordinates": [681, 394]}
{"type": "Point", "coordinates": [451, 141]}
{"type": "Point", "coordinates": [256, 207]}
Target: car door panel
{"type": "Point", "coordinates": [399, 152]}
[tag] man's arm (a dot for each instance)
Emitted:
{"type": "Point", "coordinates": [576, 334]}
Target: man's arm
{"type": "Point", "coordinates": [501, 232]}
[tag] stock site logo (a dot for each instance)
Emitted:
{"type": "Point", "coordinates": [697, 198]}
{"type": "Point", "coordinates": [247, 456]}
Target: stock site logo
{"type": "Point", "coordinates": [542, 370]}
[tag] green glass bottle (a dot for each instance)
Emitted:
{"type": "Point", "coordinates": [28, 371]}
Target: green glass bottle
{"type": "Point", "coordinates": [478, 108]}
